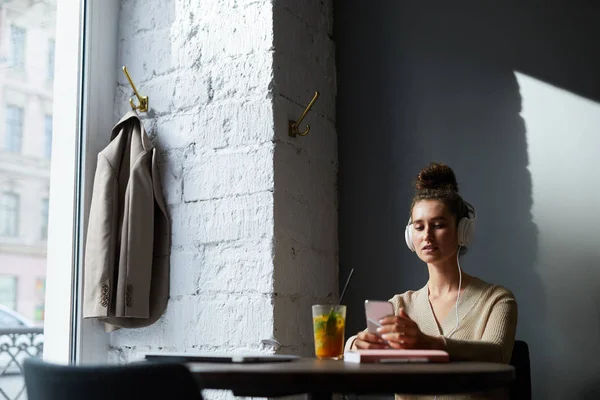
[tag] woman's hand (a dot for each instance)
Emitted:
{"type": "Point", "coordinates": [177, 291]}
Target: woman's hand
{"type": "Point", "coordinates": [401, 332]}
{"type": "Point", "coordinates": [366, 340]}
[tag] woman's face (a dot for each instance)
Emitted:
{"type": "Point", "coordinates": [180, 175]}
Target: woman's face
{"type": "Point", "coordinates": [434, 231]}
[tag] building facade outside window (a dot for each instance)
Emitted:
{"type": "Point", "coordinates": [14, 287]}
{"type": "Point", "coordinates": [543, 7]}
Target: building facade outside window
{"type": "Point", "coordinates": [9, 214]}
{"type": "Point", "coordinates": [25, 140]}
{"type": "Point", "coordinates": [17, 52]}
{"type": "Point", "coordinates": [48, 136]}
{"type": "Point", "coordinates": [8, 291]}
{"type": "Point", "coordinates": [40, 293]}
{"type": "Point", "coordinates": [50, 68]}
{"type": "Point", "coordinates": [13, 134]}
{"type": "Point", "coordinates": [44, 227]}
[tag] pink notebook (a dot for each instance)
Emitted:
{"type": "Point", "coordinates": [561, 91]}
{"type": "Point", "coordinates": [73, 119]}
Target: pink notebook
{"type": "Point", "coordinates": [395, 356]}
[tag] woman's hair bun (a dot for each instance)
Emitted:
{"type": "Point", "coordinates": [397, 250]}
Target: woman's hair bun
{"type": "Point", "coordinates": [436, 176]}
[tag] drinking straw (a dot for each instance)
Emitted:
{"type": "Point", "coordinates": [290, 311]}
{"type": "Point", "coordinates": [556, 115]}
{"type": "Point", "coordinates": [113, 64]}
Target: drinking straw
{"type": "Point", "coordinates": [346, 286]}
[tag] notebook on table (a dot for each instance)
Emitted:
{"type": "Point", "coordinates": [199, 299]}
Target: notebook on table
{"type": "Point", "coordinates": [389, 356]}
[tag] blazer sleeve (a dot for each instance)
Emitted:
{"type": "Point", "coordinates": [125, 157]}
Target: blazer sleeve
{"type": "Point", "coordinates": [159, 284]}
{"type": "Point", "coordinates": [137, 238]}
{"type": "Point", "coordinates": [101, 239]}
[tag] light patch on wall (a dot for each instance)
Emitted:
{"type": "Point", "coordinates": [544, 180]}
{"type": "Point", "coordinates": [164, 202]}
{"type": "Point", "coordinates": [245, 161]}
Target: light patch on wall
{"type": "Point", "coordinates": [563, 138]}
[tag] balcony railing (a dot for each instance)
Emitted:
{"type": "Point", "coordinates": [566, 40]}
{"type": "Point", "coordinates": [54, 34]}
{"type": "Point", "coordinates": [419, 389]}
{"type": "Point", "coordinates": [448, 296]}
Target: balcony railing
{"type": "Point", "coordinates": [16, 345]}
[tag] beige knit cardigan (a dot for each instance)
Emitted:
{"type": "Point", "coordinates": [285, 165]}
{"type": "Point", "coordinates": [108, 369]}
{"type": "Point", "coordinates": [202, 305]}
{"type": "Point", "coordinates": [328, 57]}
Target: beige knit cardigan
{"type": "Point", "coordinates": [486, 330]}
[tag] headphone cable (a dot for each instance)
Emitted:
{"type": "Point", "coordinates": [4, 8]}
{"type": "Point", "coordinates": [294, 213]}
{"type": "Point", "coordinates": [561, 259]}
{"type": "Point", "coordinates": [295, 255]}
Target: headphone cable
{"type": "Point", "coordinates": [457, 298]}
{"type": "Point", "coordinates": [458, 293]}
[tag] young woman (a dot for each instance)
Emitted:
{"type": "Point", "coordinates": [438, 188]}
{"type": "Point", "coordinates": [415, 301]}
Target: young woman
{"type": "Point", "coordinates": [456, 312]}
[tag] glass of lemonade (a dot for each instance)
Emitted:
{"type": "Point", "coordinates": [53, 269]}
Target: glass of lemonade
{"type": "Point", "coordinates": [329, 322]}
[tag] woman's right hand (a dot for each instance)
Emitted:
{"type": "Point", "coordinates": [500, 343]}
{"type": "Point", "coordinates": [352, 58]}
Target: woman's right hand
{"type": "Point", "coordinates": [366, 340]}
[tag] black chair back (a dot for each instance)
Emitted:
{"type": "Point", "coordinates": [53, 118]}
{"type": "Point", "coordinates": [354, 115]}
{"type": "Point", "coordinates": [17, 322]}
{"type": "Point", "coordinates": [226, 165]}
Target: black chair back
{"type": "Point", "coordinates": [521, 387]}
{"type": "Point", "coordinates": [148, 381]}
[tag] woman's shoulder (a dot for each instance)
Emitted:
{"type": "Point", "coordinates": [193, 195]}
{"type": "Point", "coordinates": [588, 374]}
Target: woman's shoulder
{"type": "Point", "coordinates": [493, 291]}
{"type": "Point", "coordinates": [405, 299]}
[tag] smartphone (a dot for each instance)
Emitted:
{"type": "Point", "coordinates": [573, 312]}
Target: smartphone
{"type": "Point", "coordinates": [374, 311]}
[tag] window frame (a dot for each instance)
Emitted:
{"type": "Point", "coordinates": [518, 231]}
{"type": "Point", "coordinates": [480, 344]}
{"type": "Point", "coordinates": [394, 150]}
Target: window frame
{"type": "Point", "coordinates": [84, 116]}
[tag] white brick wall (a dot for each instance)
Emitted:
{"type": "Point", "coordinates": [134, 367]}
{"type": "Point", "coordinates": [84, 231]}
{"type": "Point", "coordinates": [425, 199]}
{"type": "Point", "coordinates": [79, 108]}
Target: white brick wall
{"type": "Point", "coordinates": [254, 213]}
{"type": "Point", "coordinates": [306, 257]}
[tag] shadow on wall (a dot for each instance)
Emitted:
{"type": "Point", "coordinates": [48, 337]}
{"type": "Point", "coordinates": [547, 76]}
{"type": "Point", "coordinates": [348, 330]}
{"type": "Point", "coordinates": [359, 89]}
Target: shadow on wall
{"type": "Point", "coordinates": [438, 83]}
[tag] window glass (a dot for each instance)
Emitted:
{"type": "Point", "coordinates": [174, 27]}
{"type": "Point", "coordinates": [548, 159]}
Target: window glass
{"type": "Point", "coordinates": [47, 136]}
{"type": "Point", "coordinates": [13, 134]}
{"type": "Point", "coordinates": [27, 57]}
{"type": "Point", "coordinates": [17, 47]}
{"type": "Point", "coordinates": [50, 66]}
{"type": "Point", "coordinates": [8, 291]}
{"type": "Point", "coordinates": [44, 225]}
{"type": "Point", "coordinates": [9, 214]}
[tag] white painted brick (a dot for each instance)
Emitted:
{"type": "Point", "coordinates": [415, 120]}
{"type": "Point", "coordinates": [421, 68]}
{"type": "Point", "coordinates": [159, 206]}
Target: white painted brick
{"type": "Point", "coordinates": [241, 266]}
{"type": "Point", "coordinates": [318, 15]}
{"type": "Point", "coordinates": [171, 170]}
{"type": "Point", "coordinates": [311, 181]}
{"type": "Point", "coordinates": [224, 174]}
{"type": "Point", "coordinates": [190, 89]}
{"type": "Point", "coordinates": [252, 123]}
{"type": "Point", "coordinates": [305, 170]}
{"type": "Point", "coordinates": [223, 77]}
{"type": "Point", "coordinates": [122, 95]}
{"type": "Point", "coordinates": [238, 31]}
{"type": "Point", "coordinates": [301, 269]}
{"type": "Point", "coordinates": [186, 49]}
{"type": "Point", "coordinates": [307, 66]}
{"type": "Point", "coordinates": [219, 320]}
{"type": "Point", "coordinates": [316, 224]}
{"type": "Point", "coordinates": [186, 266]}
{"type": "Point", "coordinates": [218, 267]}
{"type": "Point", "coordinates": [127, 354]}
{"type": "Point", "coordinates": [310, 46]}
{"type": "Point", "coordinates": [212, 394]}
{"type": "Point", "coordinates": [175, 131]}
{"type": "Point", "coordinates": [293, 319]}
{"type": "Point", "coordinates": [300, 87]}
{"type": "Point", "coordinates": [320, 143]}
{"type": "Point", "coordinates": [211, 30]}
{"type": "Point", "coordinates": [159, 90]}
{"type": "Point", "coordinates": [156, 42]}
{"type": "Point", "coordinates": [249, 320]}
{"type": "Point", "coordinates": [151, 336]}
{"type": "Point", "coordinates": [248, 76]}
{"type": "Point", "coordinates": [139, 16]}
{"type": "Point", "coordinates": [234, 123]}
{"type": "Point", "coordinates": [223, 219]}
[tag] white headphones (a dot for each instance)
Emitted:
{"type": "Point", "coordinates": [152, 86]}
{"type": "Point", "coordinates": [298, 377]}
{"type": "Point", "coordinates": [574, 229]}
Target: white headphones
{"type": "Point", "coordinates": [466, 229]}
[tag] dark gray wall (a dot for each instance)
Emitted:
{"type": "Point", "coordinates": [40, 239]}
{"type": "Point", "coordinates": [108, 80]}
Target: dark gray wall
{"type": "Point", "coordinates": [434, 82]}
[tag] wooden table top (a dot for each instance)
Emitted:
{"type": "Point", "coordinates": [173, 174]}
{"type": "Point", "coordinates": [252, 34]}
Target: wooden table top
{"type": "Point", "coordinates": [309, 375]}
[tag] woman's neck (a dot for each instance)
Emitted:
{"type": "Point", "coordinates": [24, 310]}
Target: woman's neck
{"type": "Point", "coordinates": [444, 278]}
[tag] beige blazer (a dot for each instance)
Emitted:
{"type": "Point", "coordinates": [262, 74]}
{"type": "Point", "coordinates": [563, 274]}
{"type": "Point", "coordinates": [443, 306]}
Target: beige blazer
{"type": "Point", "coordinates": [126, 270]}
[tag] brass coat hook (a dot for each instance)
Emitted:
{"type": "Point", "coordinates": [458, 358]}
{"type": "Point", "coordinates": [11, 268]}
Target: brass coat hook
{"type": "Point", "coordinates": [143, 106]}
{"type": "Point", "coordinates": [293, 125]}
